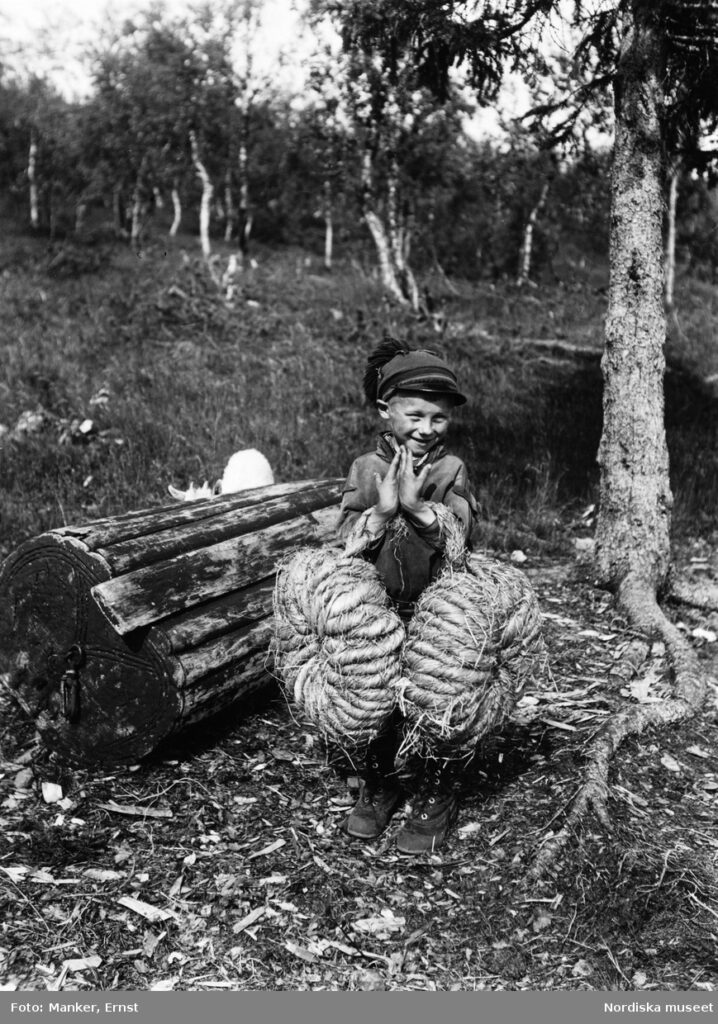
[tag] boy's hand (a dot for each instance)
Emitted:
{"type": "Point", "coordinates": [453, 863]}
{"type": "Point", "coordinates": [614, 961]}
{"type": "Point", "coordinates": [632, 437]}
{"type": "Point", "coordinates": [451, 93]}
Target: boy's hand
{"type": "Point", "coordinates": [387, 503]}
{"type": "Point", "coordinates": [410, 488]}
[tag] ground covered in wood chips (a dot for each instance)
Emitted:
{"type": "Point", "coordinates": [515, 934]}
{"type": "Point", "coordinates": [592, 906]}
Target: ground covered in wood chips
{"type": "Point", "coordinates": [220, 862]}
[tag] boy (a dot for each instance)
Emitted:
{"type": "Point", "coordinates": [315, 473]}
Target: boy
{"type": "Point", "coordinates": [386, 517]}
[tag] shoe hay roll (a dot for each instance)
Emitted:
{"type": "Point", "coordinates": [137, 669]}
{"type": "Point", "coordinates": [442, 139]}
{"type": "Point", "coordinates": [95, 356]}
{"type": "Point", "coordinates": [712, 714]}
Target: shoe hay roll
{"type": "Point", "coordinates": [337, 644]}
{"type": "Point", "coordinates": [473, 643]}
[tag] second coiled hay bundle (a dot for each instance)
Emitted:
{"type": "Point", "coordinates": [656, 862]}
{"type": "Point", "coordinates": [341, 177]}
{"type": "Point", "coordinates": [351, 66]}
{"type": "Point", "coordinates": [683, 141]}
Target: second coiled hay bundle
{"type": "Point", "coordinates": [474, 641]}
{"type": "Point", "coordinates": [337, 644]}
{"type": "Point", "coordinates": [343, 655]}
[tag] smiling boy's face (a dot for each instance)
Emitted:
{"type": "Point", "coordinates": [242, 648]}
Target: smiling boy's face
{"type": "Point", "coordinates": [417, 421]}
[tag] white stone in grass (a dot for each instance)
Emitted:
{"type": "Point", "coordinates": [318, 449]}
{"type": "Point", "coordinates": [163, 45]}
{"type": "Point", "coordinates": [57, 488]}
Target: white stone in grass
{"type": "Point", "coordinates": [23, 779]}
{"type": "Point", "coordinates": [669, 762]}
{"type": "Point", "coordinates": [584, 545]}
{"type": "Point", "coordinates": [518, 557]}
{"type": "Point", "coordinates": [704, 634]}
{"type": "Point", "coordinates": [51, 792]}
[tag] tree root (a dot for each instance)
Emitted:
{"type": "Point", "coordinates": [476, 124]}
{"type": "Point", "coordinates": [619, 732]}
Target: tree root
{"type": "Point", "coordinates": [689, 688]}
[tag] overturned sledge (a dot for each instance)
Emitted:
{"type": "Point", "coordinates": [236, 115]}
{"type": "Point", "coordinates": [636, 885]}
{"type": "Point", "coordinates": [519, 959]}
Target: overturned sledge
{"type": "Point", "coordinates": [128, 629]}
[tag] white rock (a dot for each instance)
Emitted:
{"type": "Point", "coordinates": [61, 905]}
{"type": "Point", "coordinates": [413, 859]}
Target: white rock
{"type": "Point", "coordinates": [51, 792]}
{"type": "Point", "coordinates": [23, 779]}
{"type": "Point", "coordinates": [584, 544]}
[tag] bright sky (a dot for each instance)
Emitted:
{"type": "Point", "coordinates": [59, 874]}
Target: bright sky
{"type": "Point", "coordinates": [53, 34]}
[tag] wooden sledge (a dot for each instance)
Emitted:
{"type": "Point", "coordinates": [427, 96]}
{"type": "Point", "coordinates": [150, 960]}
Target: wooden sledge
{"type": "Point", "coordinates": [130, 628]}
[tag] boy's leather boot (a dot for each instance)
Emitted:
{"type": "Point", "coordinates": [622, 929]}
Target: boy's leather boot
{"type": "Point", "coordinates": [433, 810]}
{"type": "Point", "coordinates": [380, 792]}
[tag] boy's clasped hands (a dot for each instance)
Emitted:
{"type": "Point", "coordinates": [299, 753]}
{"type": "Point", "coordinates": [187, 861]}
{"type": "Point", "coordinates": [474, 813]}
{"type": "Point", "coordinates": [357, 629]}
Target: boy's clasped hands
{"type": "Point", "coordinates": [401, 490]}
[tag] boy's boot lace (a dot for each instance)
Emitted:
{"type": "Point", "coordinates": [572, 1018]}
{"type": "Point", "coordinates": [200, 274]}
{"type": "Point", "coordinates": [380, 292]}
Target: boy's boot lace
{"type": "Point", "coordinates": [432, 811]}
{"type": "Point", "coordinates": [380, 793]}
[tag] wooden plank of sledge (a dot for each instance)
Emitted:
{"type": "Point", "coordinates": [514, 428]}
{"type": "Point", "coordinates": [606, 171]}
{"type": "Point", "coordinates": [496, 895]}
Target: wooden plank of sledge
{"type": "Point", "coordinates": [127, 629]}
{"type": "Point", "coordinates": [151, 594]}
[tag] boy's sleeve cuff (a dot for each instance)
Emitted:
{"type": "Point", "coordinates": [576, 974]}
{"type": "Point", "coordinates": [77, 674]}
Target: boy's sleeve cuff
{"type": "Point", "coordinates": [431, 533]}
{"type": "Point", "coordinates": [362, 538]}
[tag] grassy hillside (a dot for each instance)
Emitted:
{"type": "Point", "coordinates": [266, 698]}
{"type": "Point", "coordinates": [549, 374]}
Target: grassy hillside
{"type": "Point", "coordinates": [128, 374]}
{"type": "Point", "coordinates": [173, 381]}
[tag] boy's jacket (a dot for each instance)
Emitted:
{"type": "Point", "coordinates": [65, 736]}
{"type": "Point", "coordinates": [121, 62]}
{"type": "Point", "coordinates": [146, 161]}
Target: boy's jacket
{"type": "Point", "coordinates": [407, 560]}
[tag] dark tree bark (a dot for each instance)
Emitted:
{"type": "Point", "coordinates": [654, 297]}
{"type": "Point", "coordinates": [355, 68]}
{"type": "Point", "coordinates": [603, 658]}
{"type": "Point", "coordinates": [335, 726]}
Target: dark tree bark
{"type": "Point", "coordinates": [670, 275]}
{"type": "Point", "coordinates": [632, 537]}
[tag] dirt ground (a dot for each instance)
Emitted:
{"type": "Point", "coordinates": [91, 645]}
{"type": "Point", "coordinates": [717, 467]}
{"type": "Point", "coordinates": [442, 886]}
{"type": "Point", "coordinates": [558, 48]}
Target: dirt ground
{"type": "Point", "coordinates": [220, 862]}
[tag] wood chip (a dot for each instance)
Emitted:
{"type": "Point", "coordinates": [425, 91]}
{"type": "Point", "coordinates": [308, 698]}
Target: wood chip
{"type": "Point", "coordinates": [494, 840]}
{"type": "Point", "coordinates": [322, 864]}
{"type": "Point", "coordinates": [558, 725]}
{"type": "Point", "coordinates": [252, 916]}
{"type": "Point", "coordinates": [697, 751]}
{"type": "Point", "coordinates": [277, 845]}
{"type": "Point", "coordinates": [82, 963]}
{"type": "Point", "coordinates": [145, 910]}
{"type": "Point", "coordinates": [301, 952]}
{"type": "Point", "coordinates": [669, 762]}
{"type": "Point", "coordinates": [137, 812]}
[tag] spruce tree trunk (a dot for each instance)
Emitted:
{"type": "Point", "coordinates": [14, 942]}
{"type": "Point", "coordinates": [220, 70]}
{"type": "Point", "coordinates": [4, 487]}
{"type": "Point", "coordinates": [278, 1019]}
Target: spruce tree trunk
{"type": "Point", "coordinates": [632, 536]}
{"type": "Point", "coordinates": [671, 235]}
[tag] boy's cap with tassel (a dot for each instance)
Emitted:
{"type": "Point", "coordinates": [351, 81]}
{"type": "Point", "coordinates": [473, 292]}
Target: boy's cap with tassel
{"type": "Point", "coordinates": [418, 371]}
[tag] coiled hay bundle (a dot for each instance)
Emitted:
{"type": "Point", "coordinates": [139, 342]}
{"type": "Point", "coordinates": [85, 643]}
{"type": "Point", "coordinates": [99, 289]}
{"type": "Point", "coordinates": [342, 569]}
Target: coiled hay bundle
{"type": "Point", "coordinates": [474, 641]}
{"type": "Point", "coordinates": [337, 644]}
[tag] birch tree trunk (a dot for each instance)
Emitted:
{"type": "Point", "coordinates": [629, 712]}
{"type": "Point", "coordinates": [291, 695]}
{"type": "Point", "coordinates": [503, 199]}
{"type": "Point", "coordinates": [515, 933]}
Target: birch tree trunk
{"type": "Point", "coordinates": [398, 241]}
{"type": "Point", "coordinates": [379, 234]}
{"type": "Point", "coordinates": [80, 214]}
{"type": "Point", "coordinates": [177, 211]}
{"type": "Point", "coordinates": [138, 204]}
{"type": "Point", "coordinates": [245, 216]}
{"type": "Point", "coordinates": [670, 277]}
{"type": "Point", "coordinates": [32, 181]}
{"type": "Point", "coordinates": [328, 225]}
{"type": "Point", "coordinates": [137, 214]}
{"type": "Point", "coordinates": [528, 241]}
{"type": "Point", "coordinates": [632, 536]}
{"type": "Point", "coordinates": [117, 216]}
{"type": "Point", "coordinates": [228, 206]}
{"type": "Point", "coordinates": [206, 203]}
